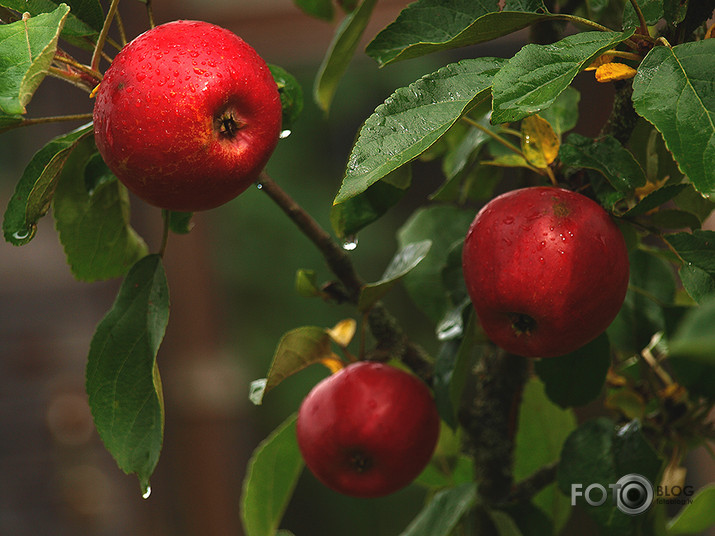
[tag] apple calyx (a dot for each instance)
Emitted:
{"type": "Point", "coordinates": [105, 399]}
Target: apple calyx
{"type": "Point", "coordinates": [360, 462]}
{"type": "Point", "coordinates": [523, 324]}
{"type": "Point", "coordinates": [227, 125]}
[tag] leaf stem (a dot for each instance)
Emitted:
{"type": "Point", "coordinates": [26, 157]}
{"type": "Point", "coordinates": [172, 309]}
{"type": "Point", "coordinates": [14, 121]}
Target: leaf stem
{"type": "Point", "coordinates": [165, 215]}
{"type": "Point", "coordinates": [641, 19]}
{"type": "Point", "coordinates": [150, 14]}
{"type": "Point", "coordinates": [97, 54]}
{"type": "Point", "coordinates": [624, 55]}
{"type": "Point", "coordinates": [122, 32]}
{"type": "Point", "coordinates": [53, 119]}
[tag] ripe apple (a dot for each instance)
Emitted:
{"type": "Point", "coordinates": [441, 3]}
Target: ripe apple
{"type": "Point", "coordinates": [368, 430]}
{"type": "Point", "coordinates": [187, 116]}
{"type": "Point", "coordinates": [546, 269]}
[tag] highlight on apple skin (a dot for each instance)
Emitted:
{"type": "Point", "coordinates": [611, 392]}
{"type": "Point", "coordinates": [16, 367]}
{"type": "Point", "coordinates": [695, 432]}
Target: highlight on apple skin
{"type": "Point", "coordinates": [547, 270]}
{"type": "Point", "coordinates": [187, 116]}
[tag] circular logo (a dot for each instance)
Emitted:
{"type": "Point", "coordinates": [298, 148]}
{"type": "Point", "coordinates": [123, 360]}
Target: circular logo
{"type": "Point", "coordinates": [634, 494]}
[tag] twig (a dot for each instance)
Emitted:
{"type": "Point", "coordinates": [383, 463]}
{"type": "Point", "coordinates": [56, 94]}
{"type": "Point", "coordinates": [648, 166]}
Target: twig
{"type": "Point", "coordinates": [52, 119]}
{"type": "Point", "coordinates": [97, 54]}
{"type": "Point", "coordinates": [525, 490]}
{"type": "Point", "coordinates": [641, 19]}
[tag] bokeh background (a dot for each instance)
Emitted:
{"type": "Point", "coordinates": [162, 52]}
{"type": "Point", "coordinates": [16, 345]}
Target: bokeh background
{"type": "Point", "coordinates": [232, 292]}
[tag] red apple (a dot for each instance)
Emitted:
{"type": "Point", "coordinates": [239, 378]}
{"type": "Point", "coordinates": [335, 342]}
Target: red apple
{"type": "Point", "coordinates": [368, 430]}
{"type": "Point", "coordinates": [547, 270]}
{"type": "Point", "coordinates": [187, 116]}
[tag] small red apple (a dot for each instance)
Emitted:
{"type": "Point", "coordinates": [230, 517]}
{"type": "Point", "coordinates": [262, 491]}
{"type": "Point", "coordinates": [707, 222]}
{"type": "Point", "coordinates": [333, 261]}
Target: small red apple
{"type": "Point", "coordinates": [547, 270]}
{"type": "Point", "coordinates": [187, 116]}
{"type": "Point", "coordinates": [368, 430]}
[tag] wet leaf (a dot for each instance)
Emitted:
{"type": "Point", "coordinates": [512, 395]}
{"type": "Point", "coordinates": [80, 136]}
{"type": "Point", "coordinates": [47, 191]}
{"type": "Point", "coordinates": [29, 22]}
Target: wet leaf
{"type": "Point", "coordinates": [539, 143]}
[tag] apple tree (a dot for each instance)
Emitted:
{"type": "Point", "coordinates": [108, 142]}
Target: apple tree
{"type": "Point", "coordinates": [512, 458]}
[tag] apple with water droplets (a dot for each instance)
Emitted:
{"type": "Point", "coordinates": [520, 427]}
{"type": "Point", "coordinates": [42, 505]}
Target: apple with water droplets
{"type": "Point", "coordinates": [187, 116]}
{"type": "Point", "coordinates": [547, 270]}
{"type": "Point", "coordinates": [368, 430]}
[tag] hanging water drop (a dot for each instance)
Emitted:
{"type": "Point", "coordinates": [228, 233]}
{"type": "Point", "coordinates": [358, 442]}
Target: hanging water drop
{"type": "Point", "coordinates": [147, 492]}
{"type": "Point", "coordinates": [284, 134]}
{"type": "Point", "coordinates": [22, 234]}
{"type": "Point", "coordinates": [259, 186]}
{"type": "Point", "coordinates": [350, 243]}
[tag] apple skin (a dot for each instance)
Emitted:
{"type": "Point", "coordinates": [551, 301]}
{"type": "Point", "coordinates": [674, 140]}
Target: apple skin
{"type": "Point", "coordinates": [368, 430]}
{"type": "Point", "coordinates": [547, 270]}
{"type": "Point", "coordinates": [187, 116]}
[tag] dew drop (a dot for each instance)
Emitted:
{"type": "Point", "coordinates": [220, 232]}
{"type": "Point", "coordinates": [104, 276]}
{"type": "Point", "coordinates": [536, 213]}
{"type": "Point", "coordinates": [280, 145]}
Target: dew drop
{"type": "Point", "coordinates": [284, 134]}
{"type": "Point", "coordinates": [140, 77]}
{"type": "Point", "coordinates": [147, 493]}
{"type": "Point", "coordinates": [350, 243]}
{"type": "Point", "coordinates": [22, 234]}
{"type": "Point", "coordinates": [259, 186]}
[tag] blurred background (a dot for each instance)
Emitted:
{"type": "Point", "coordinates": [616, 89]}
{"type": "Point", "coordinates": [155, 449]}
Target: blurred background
{"type": "Point", "coordinates": [232, 292]}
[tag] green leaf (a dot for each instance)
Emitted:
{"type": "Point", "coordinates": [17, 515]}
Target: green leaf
{"type": "Point", "coordinates": [123, 381]}
{"type": "Point", "coordinates": [443, 225]}
{"type": "Point", "coordinates": [8, 122]}
{"type": "Point", "coordinates": [525, 5]}
{"type": "Point", "coordinates": [86, 17]}
{"type": "Point", "coordinates": [652, 11]}
{"type": "Point", "coordinates": [412, 119]}
{"type": "Point", "coordinates": [180, 222]}
{"type": "Point", "coordinates": [401, 264]}
{"type": "Point", "coordinates": [697, 516]}
{"type": "Point", "coordinates": [576, 378]}
{"type": "Point", "coordinates": [296, 350]}
{"type": "Point", "coordinates": [599, 453]}
{"type": "Point", "coordinates": [320, 9]}
{"type": "Point", "coordinates": [697, 282]}
{"type": "Point", "coordinates": [504, 524]}
{"type": "Point", "coordinates": [27, 48]}
{"type": "Point", "coordinates": [305, 283]}
{"type": "Point", "coordinates": [291, 94]}
{"type": "Point", "coordinates": [562, 115]}
{"type": "Point", "coordinates": [696, 248]}
{"type": "Point", "coordinates": [651, 286]}
{"type": "Point", "coordinates": [607, 156]}
{"type": "Point", "coordinates": [340, 52]}
{"type": "Point", "coordinates": [36, 187]}
{"type": "Point", "coordinates": [543, 428]}
{"type": "Point", "coordinates": [443, 512]}
{"type": "Point", "coordinates": [655, 199]}
{"type": "Point", "coordinates": [537, 74]}
{"type": "Point", "coordinates": [271, 477]}
{"type": "Point", "coordinates": [428, 26]}
{"type": "Point", "coordinates": [674, 89]}
{"type": "Point", "coordinates": [93, 225]}
{"type": "Point", "coordinates": [353, 215]}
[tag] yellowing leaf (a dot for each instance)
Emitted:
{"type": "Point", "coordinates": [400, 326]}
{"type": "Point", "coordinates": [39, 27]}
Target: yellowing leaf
{"type": "Point", "coordinates": [711, 32]}
{"type": "Point", "coordinates": [333, 364]}
{"type": "Point", "coordinates": [343, 332]}
{"type": "Point", "coordinates": [601, 60]}
{"type": "Point", "coordinates": [650, 187]}
{"type": "Point", "coordinates": [539, 143]}
{"type": "Point", "coordinates": [608, 72]}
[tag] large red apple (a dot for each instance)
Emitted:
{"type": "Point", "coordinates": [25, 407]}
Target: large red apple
{"type": "Point", "coordinates": [547, 270]}
{"type": "Point", "coordinates": [368, 430]}
{"type": "Point", "coordinates": [187, 115]}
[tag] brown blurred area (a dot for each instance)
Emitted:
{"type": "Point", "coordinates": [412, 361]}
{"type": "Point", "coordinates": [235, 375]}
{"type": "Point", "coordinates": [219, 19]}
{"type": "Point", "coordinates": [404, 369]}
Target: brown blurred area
{"type": "Point", "coordinates": [228, 280]}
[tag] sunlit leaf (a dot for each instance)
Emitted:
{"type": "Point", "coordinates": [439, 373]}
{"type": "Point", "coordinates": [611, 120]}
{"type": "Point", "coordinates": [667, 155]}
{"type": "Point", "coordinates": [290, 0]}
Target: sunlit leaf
{"type": "Point", "coordinates": [412, 119]}
{"type": "Point", "coordinates": [609, 72]}
{"type": "Point", "coordinates": [537, 74]}
{"type": "Point", "coordinates": [27, 48]}
{"type": "Point", "coordinates": [539, 142]}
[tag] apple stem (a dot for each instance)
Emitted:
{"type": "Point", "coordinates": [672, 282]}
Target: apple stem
{"type": "Point", "coordinates": [165, 216]}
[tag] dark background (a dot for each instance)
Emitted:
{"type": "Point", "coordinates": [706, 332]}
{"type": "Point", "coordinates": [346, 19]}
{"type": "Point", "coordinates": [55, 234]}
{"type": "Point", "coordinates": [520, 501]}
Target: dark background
{"type": "Point", "coordinates": [231, 283]}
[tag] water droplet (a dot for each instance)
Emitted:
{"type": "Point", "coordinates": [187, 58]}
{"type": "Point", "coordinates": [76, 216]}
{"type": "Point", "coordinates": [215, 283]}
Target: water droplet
{"type": "Point", "coordinates": [284, 134]}
{"type": "Point", "coordinates": [541, 260]}
{"type": "Point", "coordinates": [140, 77]}
{"type": "Point", "coordinates": [259, 186]}
{"type": "Point", "coordinates": [508, 220]}
{"type": "Point", "coordinates": [22, 234]}
{"type": "Point", "coordinates": [506, 241]}
{"type": "Point", "coordinates": [350, 243]}
{"type": "Point", "coordinates": [147, 492]}
{"type": "Point", "coordinates": [541, 245]}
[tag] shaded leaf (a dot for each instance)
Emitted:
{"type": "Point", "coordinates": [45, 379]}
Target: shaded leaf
{"type": "Point", "coordinates": [608, 157]}
{"type": "Point", "coordinates": [562, 115]}
{"type": "Point", "coordinates": [695, 339]}
{"type": "Point", "coordinates": [655, 199]}
{"type": "Point", "coordinates": [696, 248]}
{"type": "Point", "coordinates": [576, 378]}
{"type": "Point", "coordinates": [697, 282]}
{"type": "Point", "coordinates": [340, 52]}
{"type": "Point", "coordinates": [37, 185]}
{"type": "Point", "coordinates": [320, 9]}
{"type": "Point", "coordinates": [296, 350]}
{"type": "Point", "coordinates": [444, 226]}
{"type": "Point", "coordinates": [543, 428]}
{"type": "Point", "coordinates": [674, 89]}
{"type": "Point", "coordinates": [401, 264]}
{"type": "Point", "coordinates": [697, 516]}
{"type": "Point", "coordinates": [271, 477]}
{"type": "Point", "coordinates": [123, 383]}
{"type": "Point", "coordinates": [86, 17]}
{"type": "Point", "coordinates": [291, 94]}
{"type": "Point", "coordinates": [9, 121]}
{"type": "Point", "coordinates": [180, 222]}
{"type": "Point", "coordinates": [652, 11]}
{"type": "Point", "coordinates": [443, 511]}
{"type": "Point", "coordinates": [428, 26]}
{"type": "Point", "coordinates": [353, 215]}
{"type": "Point", "coordinates": [537, 74]}
{"type": "Point", "coordinates": [27, 48]}
{"type": "Point", "coordinates": [93, 225]}
{"type": "Point", "coordinates": [412, 119]}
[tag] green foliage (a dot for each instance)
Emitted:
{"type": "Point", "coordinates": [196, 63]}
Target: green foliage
{"type": "Point", "coordinates": [465, 132]}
